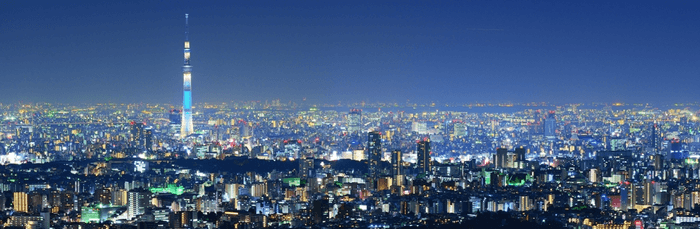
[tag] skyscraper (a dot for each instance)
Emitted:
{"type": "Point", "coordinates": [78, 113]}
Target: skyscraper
{"type": "Point", "coordinates": [653, 137]}
{"type": "Point", "coordinates": [374, 153]}
{"type": "Point", "coordinates": [20, 202]}
{"type": "Point", "coordinates": [306, 166]}
{"type": "Point", "coordinates": [175, 118]}
{"type": "Point", "coordinates": [397, 167]}
{"type": "Point", "coordinates": [148, 138]}
{"type": "Point", "coordinates": [501, 158]}
{"type": "Point", "coordinates": [187, 127]}
{"type": "Point", "coordinates": [137, 199]}
{"type": "Point", "coordinates": [137, 134]}
{"type": "Point", "coordinates": [423, 154]}
{"type": "Point", "coordinates": [550, 125]}
{"type": "Point", "coordinates": [396, 162]}
{"type": "Point", "coordinates": [354, 121]}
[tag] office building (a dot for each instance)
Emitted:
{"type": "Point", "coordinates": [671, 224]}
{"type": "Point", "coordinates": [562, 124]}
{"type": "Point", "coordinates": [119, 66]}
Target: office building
{"type": "Point", "coordinates": [20, 201]}
{"type": "Point", "coordinates": [550, 125]}
{"type": "Point", "coordinates": [137, 201]}
{"type": "Point", "coordinates": [354, 121]}
{"type": "Point", "coordinates": [397, 167]}
{"type": "Point", "coordinates": [306, 166]}
{"type": "Point", "coordinates": [423, 157]}
{"type": "Point", "coordinates": [500, 159]}
{"type": "Point", "coordinates": [374, 153]}
{"type": "Point", "coordinates": [137, 132]}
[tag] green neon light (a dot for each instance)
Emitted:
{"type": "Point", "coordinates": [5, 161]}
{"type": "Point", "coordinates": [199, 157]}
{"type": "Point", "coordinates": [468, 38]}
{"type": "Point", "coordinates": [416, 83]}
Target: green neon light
{"type": "Point", "coordinates": [89, 214]}
{"type": "Point", "coordinates": [293, 181]}
{"type": "Point", "coordinates": [170, 188]}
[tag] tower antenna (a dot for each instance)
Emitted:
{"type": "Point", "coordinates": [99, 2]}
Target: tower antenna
{"type": "Point", "coordinates": [187, 27]}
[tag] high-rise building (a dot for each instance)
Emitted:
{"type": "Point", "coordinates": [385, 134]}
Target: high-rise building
{"type": "Point", "coordinates": [20, 201]}
{"type": "Point", "coordinates": [244, 129]}
{"type": "Point", "coordinates": [500, 160]}
{"type": "Point", "coordinates": [305, 167]}
{"type": "Point", "coordinates": [460, 130]}
{"type": "Point", "coordinates": [374, 153]}
{"type": "Point", "coordinates": [658, 162]}
{"type": "Point", "coordinates": [37, 201]}
{"type": "Point", "coordinates": [148, 138]}
{"type": "Point", "coordinates": [54, 200]}
{"type": "Point", "coordinates": [519, 157]}
{"type": "Point", "coordinates": [649, 192]}
{"type": "Point", "coordinates": [68, 201]}
{"type": "Point", "coordinates": [653, 137]}
{"type": "Point", "coordinates": [419, 127]}
{"type": "Point", "coordinates": [397, 167]}
{"type": "Point", "coordinates": [187, 127]}
{"type": "Point", "coordinates": [550, 125]}
{"type": "Point", "coordinates": [119, 197]}
{"type": "Point", "coordinates": [137, 134]}
{"type": "Point", "coordinates": [396, 162]}
{"type": "Point", "coordinates": [180, 219]}
{"type": "Point", "coordinates": [103, 195]}
{"type": "Point", "coordinates": [423, 155]}
{"type": "Point", "coordinates": [175, 118]}
{"type": "Point", "coordinates": [137, 201]}
{"type": "Point", "coordinates": [354, 121]}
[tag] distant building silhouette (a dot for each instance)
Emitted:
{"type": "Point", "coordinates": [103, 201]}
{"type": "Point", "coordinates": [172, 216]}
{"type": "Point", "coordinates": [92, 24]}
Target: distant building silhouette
{"type": "Point", "coordinates": [423, 153]}
{"type": "Point", "coordinates": [354, 121]}
{"type": "Point", "coordinates": [550, 126]}
{"type": "Point", "coordinates": [374, 153]}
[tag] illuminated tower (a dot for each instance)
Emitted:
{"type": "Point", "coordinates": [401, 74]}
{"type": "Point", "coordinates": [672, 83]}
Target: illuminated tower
{"type": "Point", "coordinates": [187, 128]}
{"type": "Point", "coordinates": [423, 155]}
{"type": "Point", "coordinates": [374, 154]}
{"type": "Point", "coordinates": [397, 167]}
{"type": "Point", "coordinates": [354, 121]}
{"type": "Point", "coordinates": [550, 126]}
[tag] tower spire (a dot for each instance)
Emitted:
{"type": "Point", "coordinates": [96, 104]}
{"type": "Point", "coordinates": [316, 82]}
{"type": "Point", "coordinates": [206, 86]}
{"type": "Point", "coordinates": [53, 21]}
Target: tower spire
{"type": "Point", "coordinates": [187, 128]}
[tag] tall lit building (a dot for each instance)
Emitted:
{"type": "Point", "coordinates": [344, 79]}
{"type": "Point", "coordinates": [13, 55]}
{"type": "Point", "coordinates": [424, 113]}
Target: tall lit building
{"type": "Point", "coordinates": [305, 167]}
{"type": "Point", "coordinates": [500, 159]}
{"type": "Point", "coordinates": [103, 195]}
{"type": "Point", "coordinates": [396, 162]}
{"type": "Point", "coordinates": [120, 197]}
{"type": "Point", "coordinates": [148, 138]}
{"type": "Point", "coordinates": [423, 155]}
{"type": "Point", "coordinates": [397, 167]}
{"type": "Point", "coordinates": [137, 201]}
{"type": "Point", "coordinates": [354, 121]}
{"type": "Point", "coordinates": [550, 125]}
{"type": "Point", "coordinates": [520, 154]}
{"type": "Point", "coordinates": [374, 153]}
{"type": "Point", "coordinates": [653, 137]}
{"type": "Point", "coordinates": [20, 202]}
{"type": "Point", "coordinates": [137, 134]}
{"type": "Point", "coordinates": [460, 130]}
{"type": "Point", "coordinates": [175, 118]}
{"type": "Point", "coordinates": [187, 127]}
{"type": "Point", "coordinates": [68, 201]}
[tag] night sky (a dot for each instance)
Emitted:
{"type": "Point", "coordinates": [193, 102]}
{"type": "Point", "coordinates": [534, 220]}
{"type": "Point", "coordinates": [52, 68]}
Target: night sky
{"type": "Point", "coordinates": [351, 51]}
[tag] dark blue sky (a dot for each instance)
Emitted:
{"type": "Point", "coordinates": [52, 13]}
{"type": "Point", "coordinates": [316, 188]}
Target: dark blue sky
{"type": "Point", "coordinates": [326, 51]}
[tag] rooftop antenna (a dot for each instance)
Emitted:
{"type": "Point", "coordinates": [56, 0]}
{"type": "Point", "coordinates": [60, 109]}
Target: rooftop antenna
{"type": "Point", "coordinates": [187, 27]}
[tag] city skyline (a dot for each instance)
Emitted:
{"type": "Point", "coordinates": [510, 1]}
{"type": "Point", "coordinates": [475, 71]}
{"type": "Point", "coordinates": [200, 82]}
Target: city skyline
{"type": "Point", "coordinates": [363, 114]}
{"type": "Point", "coordinates": [325, 52]}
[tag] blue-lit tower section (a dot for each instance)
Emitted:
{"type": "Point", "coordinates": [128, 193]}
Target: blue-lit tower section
{"type": "Point", "coordinates": [187, 127]}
